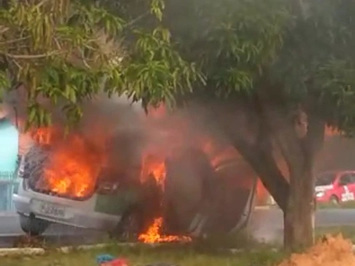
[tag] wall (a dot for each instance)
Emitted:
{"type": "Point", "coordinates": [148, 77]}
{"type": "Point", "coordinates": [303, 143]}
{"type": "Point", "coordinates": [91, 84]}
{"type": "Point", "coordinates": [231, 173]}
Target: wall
{"type": "Point", "coordinates": [8, 158]}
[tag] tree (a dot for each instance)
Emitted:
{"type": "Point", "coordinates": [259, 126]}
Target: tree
{"type": "Point", "coordinates": [314, 68]}
{"type": "Point", "coordinates": [65, 51]}
{"type": "Point", "coordinates": [285, 70]}
{"type": "Point", "coordinates": [276, 72]}
{"type": "Point", "coordinates": [235, 43]}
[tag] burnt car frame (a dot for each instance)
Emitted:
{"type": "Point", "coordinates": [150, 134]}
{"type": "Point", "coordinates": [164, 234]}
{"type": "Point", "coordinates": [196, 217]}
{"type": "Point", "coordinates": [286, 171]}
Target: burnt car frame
{"type": "Point", "coordinates": [125, 209]}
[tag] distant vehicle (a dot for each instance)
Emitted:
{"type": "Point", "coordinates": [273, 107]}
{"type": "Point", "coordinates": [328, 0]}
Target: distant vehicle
{"type": "Point", "coordinates": [335, 187]}
{"type": "Point", "coordinates": [125, 208]}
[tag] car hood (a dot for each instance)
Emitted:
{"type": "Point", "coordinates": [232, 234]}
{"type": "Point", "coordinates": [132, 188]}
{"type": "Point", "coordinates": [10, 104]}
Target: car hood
{"type": "Point", "coordinates": [323, 188]}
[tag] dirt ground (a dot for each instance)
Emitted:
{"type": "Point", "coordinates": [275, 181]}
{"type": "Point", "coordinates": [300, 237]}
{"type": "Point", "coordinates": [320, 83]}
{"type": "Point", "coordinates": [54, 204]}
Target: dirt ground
{"type": "Point", "coordinates": [329, 251]}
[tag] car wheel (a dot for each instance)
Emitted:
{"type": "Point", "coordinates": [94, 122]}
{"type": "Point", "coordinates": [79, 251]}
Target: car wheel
{"type": "Point", "coordinates": [33, 226]}
{"type": "Point", "coordinates": [334, 200]}
{"type": "Point", "coordinates": [128, 228]}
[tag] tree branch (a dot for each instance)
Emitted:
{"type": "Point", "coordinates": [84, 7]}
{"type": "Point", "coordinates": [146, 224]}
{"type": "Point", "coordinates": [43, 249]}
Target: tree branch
{"type": "Point", "coordinates": [280, 121]}
{"type": "Point", "coordinates": [3, 29]}
{"type": "Point", "coordinates": [135, 20]}
{"type": "Point", "coordinates": [264, 165]}
{"type": "Point", "coordinates": [250, 136]}
{"type": "Point", "coordinates": [34, 56]}
{"type": "Point", "coordinates": [14, 40]}
{"type": "Point", "coordinates": [315, 137]}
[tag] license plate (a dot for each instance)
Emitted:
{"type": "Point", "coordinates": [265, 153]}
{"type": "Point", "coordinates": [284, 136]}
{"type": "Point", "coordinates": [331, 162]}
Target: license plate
{"type": "Point", "coordinates": [48, 209]}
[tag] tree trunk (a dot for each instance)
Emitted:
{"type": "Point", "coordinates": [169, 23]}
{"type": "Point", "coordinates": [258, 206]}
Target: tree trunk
{"type": "Point", "coordinates": [269, 125]}
{"type": "Point", "coordinates": [299, 138]}
{"type": "Point", "coordinates": [299, 213]}
{"type": "Point", "coordinates": [300, 155]}
{"type": "Point", "coordinates": [265, 167]}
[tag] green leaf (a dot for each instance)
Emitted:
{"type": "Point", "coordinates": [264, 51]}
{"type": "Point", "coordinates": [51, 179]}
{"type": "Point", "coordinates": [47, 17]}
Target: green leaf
{"type": "Point", "coordinates": [157, 7]}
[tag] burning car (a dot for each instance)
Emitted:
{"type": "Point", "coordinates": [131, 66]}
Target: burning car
{"type": "Point", "coordinates": [71, 182]}
{"type": "Point", "coordinates": [122, 188]}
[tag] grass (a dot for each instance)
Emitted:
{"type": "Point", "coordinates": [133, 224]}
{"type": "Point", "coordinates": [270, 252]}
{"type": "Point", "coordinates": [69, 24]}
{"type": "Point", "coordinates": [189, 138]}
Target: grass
{"type": "Point", "coordinates": [347, 231]}
{"type": "Point", "coordinates": [343, 205]}
{"type": "Point", "coordinates": [238, 240]}
{"type": "Point", "coordinates": [212, 251]}
{"type": "Point", "coordinates": [140, 256]}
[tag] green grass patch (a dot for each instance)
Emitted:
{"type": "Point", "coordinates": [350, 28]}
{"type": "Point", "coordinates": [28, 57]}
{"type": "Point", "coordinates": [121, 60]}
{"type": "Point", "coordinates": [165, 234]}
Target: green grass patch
{"type": "Point", "coordinates": [239, 240]}
{"type": "Point", "coordinates": [211, 251]}
{"type": "Point", "coordinates": [347, 231]}
{"type": "Point", "coordinates": [141, 255]}
{"type": "Point", "coordinates": [342, 205]}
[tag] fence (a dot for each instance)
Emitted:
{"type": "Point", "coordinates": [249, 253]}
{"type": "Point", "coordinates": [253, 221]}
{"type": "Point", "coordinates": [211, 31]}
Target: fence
{"type": "Point", "coordinates": [8, 185]}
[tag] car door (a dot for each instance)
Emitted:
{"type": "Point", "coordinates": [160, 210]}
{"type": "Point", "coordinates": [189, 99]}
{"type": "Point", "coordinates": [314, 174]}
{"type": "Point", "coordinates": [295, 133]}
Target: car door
{"type": "Point", "coordinates": [351, 186]}
{"type": "Point", "coordinates": [343, 189]}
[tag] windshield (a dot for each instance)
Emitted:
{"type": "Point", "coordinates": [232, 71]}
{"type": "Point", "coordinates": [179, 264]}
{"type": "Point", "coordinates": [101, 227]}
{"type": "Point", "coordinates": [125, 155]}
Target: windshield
{"type": "Point", "coordinates": [324, 180]}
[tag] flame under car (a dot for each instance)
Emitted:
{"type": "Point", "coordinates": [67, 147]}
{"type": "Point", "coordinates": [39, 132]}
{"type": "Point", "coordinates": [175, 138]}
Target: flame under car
{"type": "Point", "coordinates": [197, 196]}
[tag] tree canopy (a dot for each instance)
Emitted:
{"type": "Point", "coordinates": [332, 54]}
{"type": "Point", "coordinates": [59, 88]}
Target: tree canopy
{"type": "Point", "coordinates": [66, 51]}
{"type": "Point", "coordinates": [155, 50]}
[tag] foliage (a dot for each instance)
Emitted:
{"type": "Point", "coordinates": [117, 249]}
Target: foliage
{"type": "Point", "coordinates": [316, 62]}
{"type": "Point", "coordinates": [140, 255]}
{"type": "Point", "coordinates": [67, 51]}
{"type": "Point", "coordinates": [303, 48]}
{"type": "Point", "coordinates": [232, 41]}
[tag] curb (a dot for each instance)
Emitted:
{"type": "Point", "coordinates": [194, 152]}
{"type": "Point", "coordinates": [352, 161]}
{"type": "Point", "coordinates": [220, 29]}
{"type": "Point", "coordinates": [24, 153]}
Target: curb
{"type": "Point", "coordinates": [262, 207]}
{"type": "Point", "coordinates": [82, 247]}
{"type": "Point", "coordinates": [8, 214]}
{"type": "Point", "coordinates": [240, 250]}
{"type": "Point", "coordinates": [4, 252]}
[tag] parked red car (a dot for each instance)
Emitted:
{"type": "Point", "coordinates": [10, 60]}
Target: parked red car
{"type": "Point", "coordinates": [335, 187]}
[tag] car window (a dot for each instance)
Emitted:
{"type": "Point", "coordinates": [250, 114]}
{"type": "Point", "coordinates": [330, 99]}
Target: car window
{"type": "Point", "coordinates": [352, 178]}
{"type": "Point", "coordinates": [325, 179]}
{"type": "Point", "coordinates": [345, 179]}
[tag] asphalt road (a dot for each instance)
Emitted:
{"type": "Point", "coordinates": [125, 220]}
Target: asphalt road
{"type": "Point", "coordinates": [267, 224]}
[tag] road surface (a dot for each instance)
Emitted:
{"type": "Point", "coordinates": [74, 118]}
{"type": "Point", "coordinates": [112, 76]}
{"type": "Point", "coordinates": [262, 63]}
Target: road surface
{"type": "Point", "coordinates": [267, 224]}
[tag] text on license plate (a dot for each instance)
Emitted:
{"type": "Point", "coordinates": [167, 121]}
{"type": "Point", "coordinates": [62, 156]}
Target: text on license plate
{"type": "Point", "coordinates": [49, 209]}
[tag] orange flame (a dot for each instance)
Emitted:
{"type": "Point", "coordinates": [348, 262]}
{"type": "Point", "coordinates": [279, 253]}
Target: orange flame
{"type": "Point", "coordinates": [330, 132]}
{"type": "Point", "coordinates": [42, 135]}
{"type": "Point", "coordinates": [73, 168]}
{"type": "Point", "coordinates": [218, 153]}
{"type": "Point", "coordinates": [154, 165]}
{"type": "Point", "coordinates": [153, 234]}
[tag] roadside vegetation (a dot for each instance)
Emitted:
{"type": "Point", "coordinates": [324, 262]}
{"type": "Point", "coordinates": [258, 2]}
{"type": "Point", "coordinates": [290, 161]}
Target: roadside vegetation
{"type": "Point", "coordinates": [187, 256]}
{"type": "Point", "coordinates": [348, 232]}
{"type": "Point", "coordinates": [343, 205]}
{"type": "Point", "coordinates": [233, 250]}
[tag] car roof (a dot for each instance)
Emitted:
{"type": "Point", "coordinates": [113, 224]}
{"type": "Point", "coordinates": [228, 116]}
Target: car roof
{"type": "Point", "coordinates": [336, 172]}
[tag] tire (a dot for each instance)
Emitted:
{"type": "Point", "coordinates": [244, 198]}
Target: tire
{"type": "Point", "coordinates": [33, 226]}
{"type": "Point", "coordinates": [334, 200]}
